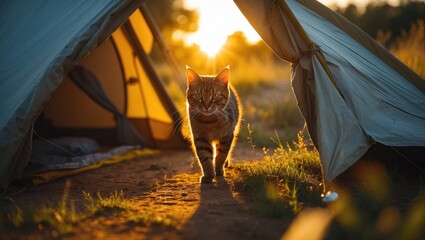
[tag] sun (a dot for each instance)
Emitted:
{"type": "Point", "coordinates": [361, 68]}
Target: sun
{"type": "Point", "coordinates": [217, 20]}
{"type": "Point", "coordinates": [211, 47]}
{"type": "Point", "coordinates": [209, 43]}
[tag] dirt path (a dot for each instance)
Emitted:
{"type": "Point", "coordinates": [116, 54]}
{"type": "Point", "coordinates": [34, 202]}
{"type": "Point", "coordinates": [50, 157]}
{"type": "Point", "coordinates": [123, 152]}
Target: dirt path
{"type": "Point", "coordinates": [163, 189]}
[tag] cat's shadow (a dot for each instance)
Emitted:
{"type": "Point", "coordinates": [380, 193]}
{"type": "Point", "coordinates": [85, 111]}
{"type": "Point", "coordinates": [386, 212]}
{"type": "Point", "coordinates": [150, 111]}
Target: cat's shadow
{"type": "Point", "coordinates": [218, 214]}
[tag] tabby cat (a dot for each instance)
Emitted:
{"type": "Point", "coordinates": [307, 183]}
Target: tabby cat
{"type": "Point", "coordinates": [214, 114]}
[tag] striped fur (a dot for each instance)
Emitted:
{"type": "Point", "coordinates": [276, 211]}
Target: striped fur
{"type": "Point", "coordinates": [214, 114]}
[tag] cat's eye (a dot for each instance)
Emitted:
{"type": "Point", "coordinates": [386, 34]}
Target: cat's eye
{"type": "Point", "coordinates": [197, 96]}
{"type": "Point", "coordinates": [215, 97]}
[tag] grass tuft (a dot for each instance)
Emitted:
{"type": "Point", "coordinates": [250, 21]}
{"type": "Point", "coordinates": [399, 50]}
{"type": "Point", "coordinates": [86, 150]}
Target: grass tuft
{"type": "Point", "coordinates": [285, 181]}
{"type": "Point", "coordinates": [60, 217]}
{"type": "Point", "coordinates": [98, 204]}
{"type": "Point", "coordinates": [409, 47]}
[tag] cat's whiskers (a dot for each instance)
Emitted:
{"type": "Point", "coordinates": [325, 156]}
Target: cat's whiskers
{"type": "Point", "coordinates": [194, 114]}
{"type": "Point", "coordinates": [223, 116]}
{"type": "Point", "coordinates": [178, 125]}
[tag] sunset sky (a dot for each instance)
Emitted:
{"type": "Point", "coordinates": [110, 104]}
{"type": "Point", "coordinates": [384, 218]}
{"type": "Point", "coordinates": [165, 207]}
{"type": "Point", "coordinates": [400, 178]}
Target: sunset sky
{"type": "Point", "coordinates": [213, 30]}
{"type": "Point", "coordinates": [221, 18]}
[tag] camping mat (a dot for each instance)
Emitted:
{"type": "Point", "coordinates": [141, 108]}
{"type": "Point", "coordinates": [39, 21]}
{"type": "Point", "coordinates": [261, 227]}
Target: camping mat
{"type": "Point", "coordinates": [43, 177]}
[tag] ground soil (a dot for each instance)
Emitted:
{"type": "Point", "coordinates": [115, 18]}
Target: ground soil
{"type": "Point", "coordinates": [166, 185]}
{"type": "Point", "coordinates": [166, 188]}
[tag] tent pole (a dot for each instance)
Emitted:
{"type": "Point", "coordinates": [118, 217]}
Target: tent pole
{"type": "Point", "coordinates": [166, 52]}
{"type": "Point", "coordinates": [146, 63]}
{"type": "Point", "coordinates": [307, 41]}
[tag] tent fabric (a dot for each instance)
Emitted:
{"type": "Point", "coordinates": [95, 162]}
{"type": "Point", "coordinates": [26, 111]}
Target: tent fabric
{"type": "Point", "coordinates": [37, 178]}
{"type": "Point", "coordinates": [366, 41]}
{"type": "Point", "coordinates": [131, 84]}
{"type": "Point", "coordinates": [375, 97]}
{"type": "Point", "coordinates": [40, 42]}
{"type": "Point", "coordinates": [87, 81]}
{"type": "Point", "coordinates": [46, 162]}
{"type": "Point", "coordinates": [66, 146]}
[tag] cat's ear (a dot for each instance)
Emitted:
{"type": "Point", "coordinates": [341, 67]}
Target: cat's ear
{"type": "Point", "coordinates": [192, 76]}
{"type": "Point", "coordinates": [223, 76]}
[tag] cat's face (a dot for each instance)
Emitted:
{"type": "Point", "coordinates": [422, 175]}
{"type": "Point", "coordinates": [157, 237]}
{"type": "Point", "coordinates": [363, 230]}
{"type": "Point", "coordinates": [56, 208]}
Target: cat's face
{"type": "Point", "coordinates": [207, 95]}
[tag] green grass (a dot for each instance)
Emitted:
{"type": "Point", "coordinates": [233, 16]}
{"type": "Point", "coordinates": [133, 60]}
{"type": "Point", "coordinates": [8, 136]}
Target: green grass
{"type": "Point", "coordinates": [268, 101]}
{"type": "Point", "coordinates": [376, 203]}
{"type": "Point", "coordinates": [99, 204]}
{"type": "Point", "coordinates": [117, 202]}
{"type": "Point", "coordinates": [59, 217]}
{"type": "Point", "coordinates": [289, 163]}
{"type": "Point", "coordinates": [285, 181]}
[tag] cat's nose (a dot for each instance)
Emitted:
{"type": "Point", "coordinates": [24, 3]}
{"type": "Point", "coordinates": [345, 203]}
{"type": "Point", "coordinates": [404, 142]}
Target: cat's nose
{"type": "Point", "coordinates": [207, 106]}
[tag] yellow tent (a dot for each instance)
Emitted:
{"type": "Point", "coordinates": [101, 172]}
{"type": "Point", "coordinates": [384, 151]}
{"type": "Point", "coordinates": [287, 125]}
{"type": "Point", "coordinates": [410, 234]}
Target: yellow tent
{"type": "Point", "coordinates": [124, 70]}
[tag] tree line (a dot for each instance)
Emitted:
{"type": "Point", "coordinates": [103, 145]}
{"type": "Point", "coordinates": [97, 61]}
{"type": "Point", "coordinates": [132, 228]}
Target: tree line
{"type": "Point", "coordinates": [386, 18]}
{"type": "Point", "coordinates": [375, 19]}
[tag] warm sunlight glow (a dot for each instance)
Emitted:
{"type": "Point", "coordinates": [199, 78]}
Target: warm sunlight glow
{"type": "Point", "coordinates": [209, 44]}
{"type": "Point", "coordinates": [217, 20]}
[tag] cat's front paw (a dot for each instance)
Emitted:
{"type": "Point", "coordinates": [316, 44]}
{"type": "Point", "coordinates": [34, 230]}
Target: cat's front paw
{"type": "Point", "coordinates": [206, 179]}
{"type": "Point", "coordinates": [227, 164]}
{"type": "Point", "coordinates": [219, 172]}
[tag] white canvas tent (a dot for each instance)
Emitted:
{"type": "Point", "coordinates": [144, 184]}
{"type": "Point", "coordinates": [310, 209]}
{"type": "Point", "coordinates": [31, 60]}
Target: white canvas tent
{"type": "Point", "coordinates": [351, 91]}
{"type": "Point", "coordinates": [115, 93]}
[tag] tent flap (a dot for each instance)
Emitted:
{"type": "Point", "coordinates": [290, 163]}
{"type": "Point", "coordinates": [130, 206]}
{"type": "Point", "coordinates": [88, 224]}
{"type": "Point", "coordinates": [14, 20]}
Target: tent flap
{"type": "Point", "coordinates": [353, 92]}
{"type": "Point", "coordinates": [60, 33]}
{"type": "Point", "coordinates": [88, 82]}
